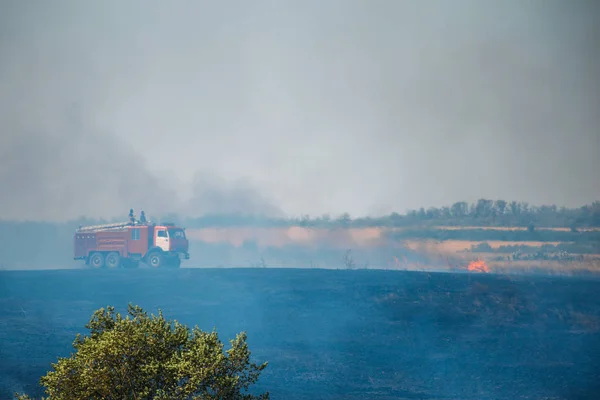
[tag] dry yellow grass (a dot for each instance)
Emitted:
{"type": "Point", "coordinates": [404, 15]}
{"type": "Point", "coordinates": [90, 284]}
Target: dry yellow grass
{"type": "Point", "coordinates": [461, 263]}
{"type": "Point", "coordinates": [510, 228]}
{"type": "Point", "coordinates": [504, 266]}
{"type": "Point", "coordinates": [592, 265]}
{"type": "Point", "coordinates": [455, 246]}
{"type": "Point", "coordinates": [490, 228]}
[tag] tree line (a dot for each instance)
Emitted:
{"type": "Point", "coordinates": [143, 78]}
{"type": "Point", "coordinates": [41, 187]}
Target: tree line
{"type": "Point", "coordinates": [482, 213]}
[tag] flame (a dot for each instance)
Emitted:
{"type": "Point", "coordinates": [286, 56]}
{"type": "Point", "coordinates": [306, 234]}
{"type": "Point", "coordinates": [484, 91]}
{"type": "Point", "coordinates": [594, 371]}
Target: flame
{"type": "Point", "coordinates": [478, 266]}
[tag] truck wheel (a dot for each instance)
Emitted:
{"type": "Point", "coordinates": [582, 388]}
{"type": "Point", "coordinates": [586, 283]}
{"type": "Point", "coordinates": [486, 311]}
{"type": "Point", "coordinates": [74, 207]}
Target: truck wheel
{"type": "Point", "coordinates": [113, 260]}
{"type": "Point", "coordinates": [155, 260]}
{"type": "Point", "coordinates": [97, 260]}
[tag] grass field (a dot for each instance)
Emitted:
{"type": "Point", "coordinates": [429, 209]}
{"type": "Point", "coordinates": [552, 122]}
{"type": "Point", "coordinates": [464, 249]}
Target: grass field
{"type": "Point", "coordinates": [441, 253]}
{"type": "Point", "coordinates": [455, 246]}
{"type": "Point", "coordinates": [513, 228]}
{"type": "Point", "coordinates": [336, 334]}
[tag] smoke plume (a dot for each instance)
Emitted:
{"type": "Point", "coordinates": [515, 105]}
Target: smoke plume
{"type": "Point", "coordinates": [342, 106]}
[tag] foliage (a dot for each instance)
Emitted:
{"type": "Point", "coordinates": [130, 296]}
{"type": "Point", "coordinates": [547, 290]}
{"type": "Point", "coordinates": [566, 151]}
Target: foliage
{"type": "Point", "coordinates": [483, 212]}
{"type": "Point", "coordinates": [489, 234]}
{"type": "Point", "coordinates": [148, 357]}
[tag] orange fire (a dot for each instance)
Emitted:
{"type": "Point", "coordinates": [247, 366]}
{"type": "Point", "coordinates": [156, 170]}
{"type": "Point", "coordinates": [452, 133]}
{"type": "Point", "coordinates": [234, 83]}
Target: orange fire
{"type": "Point", "coordinates": [478, 266]}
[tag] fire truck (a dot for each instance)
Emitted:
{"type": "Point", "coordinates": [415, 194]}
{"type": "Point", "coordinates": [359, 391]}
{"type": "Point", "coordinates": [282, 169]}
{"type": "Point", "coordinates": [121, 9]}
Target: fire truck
{"type": "Point", "coordinates": [126, 244]}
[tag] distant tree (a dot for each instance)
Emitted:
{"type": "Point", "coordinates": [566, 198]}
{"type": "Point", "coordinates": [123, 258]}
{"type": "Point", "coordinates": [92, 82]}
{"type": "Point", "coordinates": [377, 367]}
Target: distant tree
{"type": "Point", "coordinates": [349, 260]}
{"type": "Point", "coordinates": [515, 209]}
{"type": "Point", "coordinates": [595, 214]}
{"type": "Point", "coordinates": [148, 357]}
{"type": "Point", "coordinates": [395, 218]}
{"type": "Point", "coordinates": [445, 212]}
{"type": "Point", "coordinates": [483, 208]}
{"type": "Point", "coordinates": [433, 213]}
{"type": "Point", "coordinates": [459, 209]}
{"type": "Point", "coordinates": [344, 220]}
{"type": "Point", "coordinates": [500, 206]}
{"type": "Point", "coordinates": [305, 221]}
{"type": "Point", "coordinates": [323, 220]}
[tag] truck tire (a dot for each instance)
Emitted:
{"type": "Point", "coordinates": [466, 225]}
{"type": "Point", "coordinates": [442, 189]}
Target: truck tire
{"type": "Point", "coordinates": [113, 260]}
{"type": "Point", "coordinates": [97, 260]}
{"type": "Point", "coordinates": [155, 260]}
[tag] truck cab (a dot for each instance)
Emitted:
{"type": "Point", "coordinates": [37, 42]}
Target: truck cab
{"type": "Point", "coordinates": [168, 243]}
{"type": "Point", "coordinates": [170, 238]}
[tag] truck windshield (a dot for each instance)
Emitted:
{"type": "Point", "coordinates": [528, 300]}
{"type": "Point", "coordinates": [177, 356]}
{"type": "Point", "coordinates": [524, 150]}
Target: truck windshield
{"type": "Point", "coordinates": [176, 233]}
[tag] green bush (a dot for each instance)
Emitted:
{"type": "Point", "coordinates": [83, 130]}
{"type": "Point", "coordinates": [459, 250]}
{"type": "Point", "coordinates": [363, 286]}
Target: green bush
{"type": "Point", "coordinates": [148, 357]}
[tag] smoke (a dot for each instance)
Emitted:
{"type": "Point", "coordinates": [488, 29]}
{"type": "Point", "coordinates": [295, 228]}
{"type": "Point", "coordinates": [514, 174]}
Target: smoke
{"type": "Point", "coordinates": [64, 153]}
{"type": "Point", "coordinates": [74, 169]}
{"type": "Point", "coordinates": [317, 107]}
{"type": "Point", "coordinates": [50, 172]}
{"type": "Point", "coordinates": [214, 195]}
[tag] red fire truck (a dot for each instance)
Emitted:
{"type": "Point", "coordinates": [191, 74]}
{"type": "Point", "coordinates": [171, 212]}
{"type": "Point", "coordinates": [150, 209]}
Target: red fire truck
{"type": "Point", "coordinates": [126, 244]}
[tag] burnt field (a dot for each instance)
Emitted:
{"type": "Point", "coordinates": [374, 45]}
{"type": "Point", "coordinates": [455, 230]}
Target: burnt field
{"type": "Point", "coordinates": [332, 334]}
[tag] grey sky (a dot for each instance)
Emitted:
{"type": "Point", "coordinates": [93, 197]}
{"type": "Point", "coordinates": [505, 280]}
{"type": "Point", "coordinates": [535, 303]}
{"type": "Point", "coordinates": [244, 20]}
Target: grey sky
{"type": "Point", "coordinates": [295, 107]}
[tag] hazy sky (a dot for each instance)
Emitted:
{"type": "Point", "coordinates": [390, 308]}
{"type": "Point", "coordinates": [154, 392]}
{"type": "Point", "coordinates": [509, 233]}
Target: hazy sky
{"type": "Point", "coordinates": [295, 106]}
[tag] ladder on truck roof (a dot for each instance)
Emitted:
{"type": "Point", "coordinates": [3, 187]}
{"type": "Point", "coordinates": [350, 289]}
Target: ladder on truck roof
{"type": "Point", "coordinates": [104, 227]}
